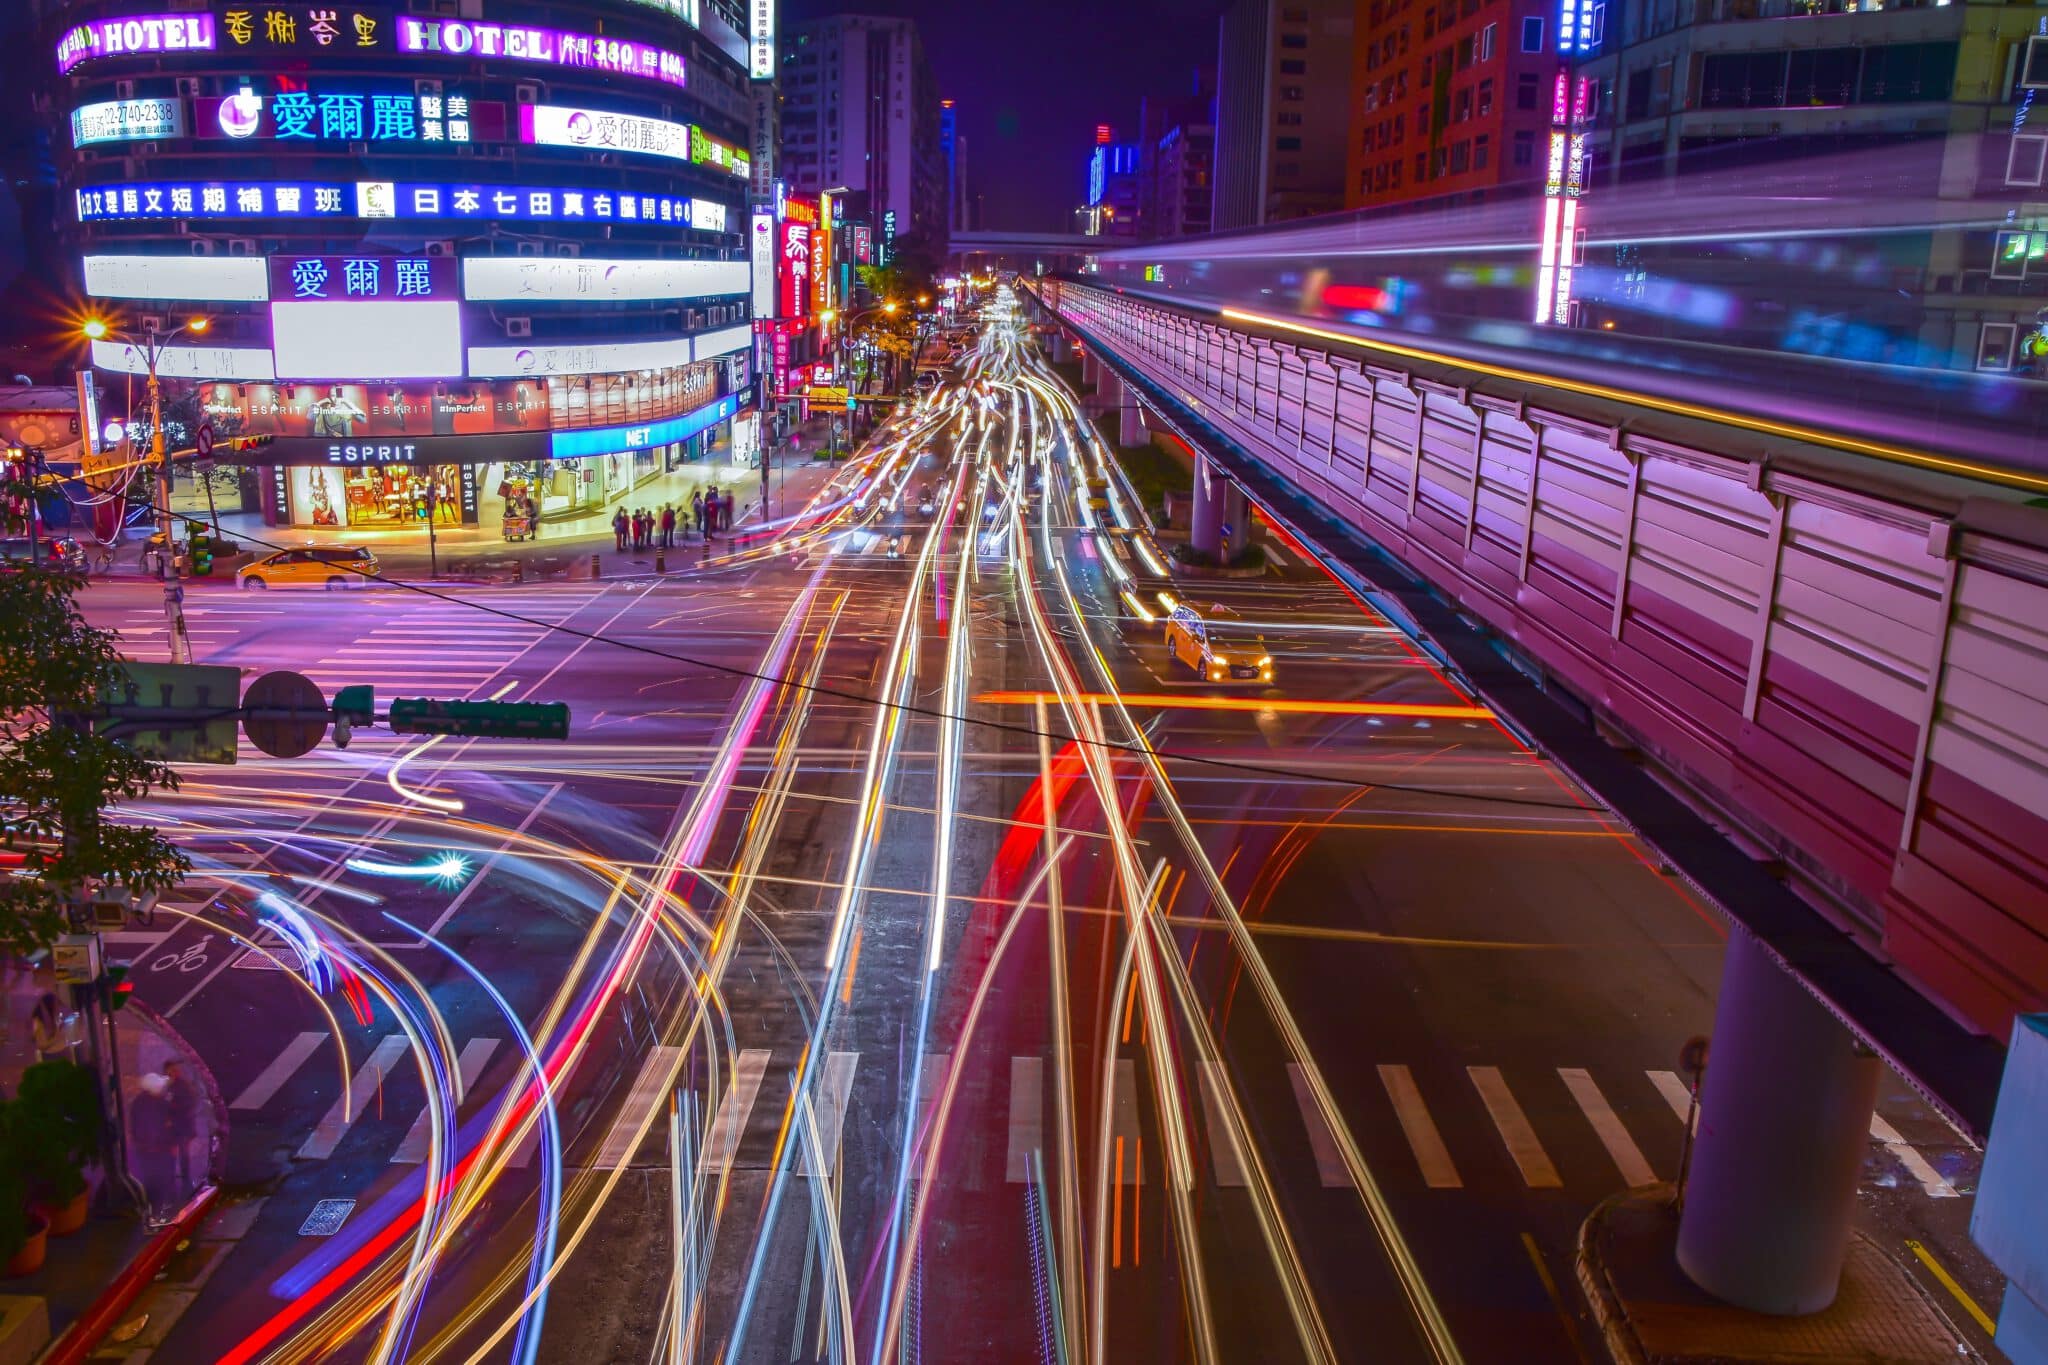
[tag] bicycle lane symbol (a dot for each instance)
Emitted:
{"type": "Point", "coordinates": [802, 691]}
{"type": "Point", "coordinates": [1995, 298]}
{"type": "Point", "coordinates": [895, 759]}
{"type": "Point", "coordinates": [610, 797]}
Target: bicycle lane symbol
{"type": "Point", "coordinates": [193, 959]}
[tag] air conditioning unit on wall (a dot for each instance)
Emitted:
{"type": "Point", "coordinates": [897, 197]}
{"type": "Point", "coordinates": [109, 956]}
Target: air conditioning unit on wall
{"type": "Point", "coordinates": [519, 327]}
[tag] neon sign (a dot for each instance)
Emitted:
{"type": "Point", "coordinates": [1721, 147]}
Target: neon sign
{"type": "Point", "coordinates": [135, 35]}
{"type": "Point", "coordinates": [376, 199]}
{"type": "Point", "coordinates": [549, 46]}
{"type": "Point", "coordinates": [126, 121]}
{"type": "Point", "coordinates": [555, 125]}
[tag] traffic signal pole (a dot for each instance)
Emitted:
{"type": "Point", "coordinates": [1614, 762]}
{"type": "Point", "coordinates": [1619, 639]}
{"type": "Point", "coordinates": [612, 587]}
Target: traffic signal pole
{"type": "Point", "coordinates": [167, 562]}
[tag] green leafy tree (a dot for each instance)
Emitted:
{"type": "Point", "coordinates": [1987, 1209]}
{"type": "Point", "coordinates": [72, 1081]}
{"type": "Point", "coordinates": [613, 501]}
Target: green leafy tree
{"type": "Point", "coordinates": [57, 778]}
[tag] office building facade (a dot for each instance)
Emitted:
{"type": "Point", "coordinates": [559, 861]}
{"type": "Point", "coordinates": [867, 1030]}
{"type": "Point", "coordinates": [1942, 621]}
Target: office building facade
{"type": "Point", "coordinates": [1283, 83]}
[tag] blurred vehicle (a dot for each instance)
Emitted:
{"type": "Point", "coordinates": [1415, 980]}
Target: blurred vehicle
{"type": "Point", "coordinates": [329, 566]}
{"type": "Point", "coordinates": [59, 552]}
{"type": "Point", "coordinates": [927, 502]}
{"type": "Point", "coordinates": [1214, 659]}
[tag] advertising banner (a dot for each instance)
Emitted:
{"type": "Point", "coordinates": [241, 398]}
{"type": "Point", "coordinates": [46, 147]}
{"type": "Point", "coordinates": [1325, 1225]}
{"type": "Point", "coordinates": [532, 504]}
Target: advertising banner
{"type": "Point", "coordinates": [794, 276]}
{"type": "Point", "coordinates": [127, 121]}
{"type": "Point", "coordinates": [375, 199]}
{"type": "Point", "coordinates": [556, 125]}
{"type": "Point", "coordinates": [298, 111]}
{"type": "Point", "coordinates": [363, 277]}
{"type": "Point", "coordinates": [509, 278]}
{"type": "Point", "coordinates": [355, 411]}
{"type": "Point", "coordinates": [548, 46]}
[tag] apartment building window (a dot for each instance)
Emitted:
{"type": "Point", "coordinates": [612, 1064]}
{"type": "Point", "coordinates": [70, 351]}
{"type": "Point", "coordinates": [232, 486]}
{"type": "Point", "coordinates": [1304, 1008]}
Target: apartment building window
{"type": "Point", "coordinates": [1294, 40]}
{"type": "Point", "coordinates": [1525, 149]}
{"type": "Point", "coordinates": [1429, 24]}
{"type": "Point", "coordinates": [1292, 92]}
{"type": "Point", "coordinates": [1422, 165]}
{"type": "Point", "coordinates": [1532, 33]}
{"type": "Point", "coordinates": [1438, 159]}
{"type": "Point", "coordinates": [1287, 170]}
{"type": "Point", "coordinates": [1461, 158]}
{"type": "Point", "coordinates": [1462, 109]}
{"type": "Point", "coordinates": [1526, 90]}
{"type": "Point", "coordinates": [1486, 42]}
{"type": "Point", "coordinates": [1294, 67]}
{"type": "Point", "coordinates": [1292, 119]}
{"type": "Point", "coordinates": [1485, 98]}
{"type": "Point", "coordinates": [1468, 50]}
{"type": "Point", "coordinates": [1286, 144]}
{"type": "Point", "coordinates": [1294, 16]}
{"type": "Point", "coordinates": [1482, 152]}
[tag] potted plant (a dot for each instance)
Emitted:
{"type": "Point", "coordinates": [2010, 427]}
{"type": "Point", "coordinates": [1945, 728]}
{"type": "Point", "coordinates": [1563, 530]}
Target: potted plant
{"type": "Point", "coordinates": [57, 1129]}
{"type": "Point", "coordinates": [23, 1231]}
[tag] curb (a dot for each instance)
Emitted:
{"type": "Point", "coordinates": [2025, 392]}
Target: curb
{"type": "Point", "coordinates": [1609, 1316]}
{"type": "Point", "coordinates": [84, 1335]}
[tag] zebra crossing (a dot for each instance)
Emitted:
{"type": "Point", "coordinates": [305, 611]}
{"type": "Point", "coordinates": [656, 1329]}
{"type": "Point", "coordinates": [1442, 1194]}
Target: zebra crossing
{"type": "Point", "coordinates": [1458, 1126]}
{"type": "Point", "coordinates": [446, 649]}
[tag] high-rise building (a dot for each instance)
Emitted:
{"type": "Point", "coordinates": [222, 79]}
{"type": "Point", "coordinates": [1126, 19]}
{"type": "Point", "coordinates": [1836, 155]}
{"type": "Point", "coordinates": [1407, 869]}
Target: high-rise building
{"type": "Point", "coordinates": [1452, 100]}
{"type": "Point", "coordinates": [1188, 123]}
{"type": "Point", "coordinates": [1113, 188]}
{"type": "Point", "coordinates": [860, 109]}
{"type": "Point", "coordinates": [953, 143]}
{"type": "Point", "coordinates": [447, 263]}
{"type": "Point", "coordinates": [1283, 81]}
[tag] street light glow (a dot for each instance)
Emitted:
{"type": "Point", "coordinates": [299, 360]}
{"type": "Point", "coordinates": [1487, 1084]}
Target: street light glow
{"type": "Point", "coordinates": [94, 329]}
{"type": "Point", "coordinates": [198, 324]}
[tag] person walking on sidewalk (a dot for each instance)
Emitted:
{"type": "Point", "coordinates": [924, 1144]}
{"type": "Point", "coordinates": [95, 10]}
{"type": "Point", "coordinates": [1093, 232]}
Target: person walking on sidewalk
{"type": "Point", "coordinates": [711, 510]}
{"type": "Point", "coordinates": [619, 528]}
{"type": "Point", "coordinates": [183, 1124]}
{"type": "Point", "coordinates": [668, 527]}
{"type": "Point", "coordinates": [697, 511]}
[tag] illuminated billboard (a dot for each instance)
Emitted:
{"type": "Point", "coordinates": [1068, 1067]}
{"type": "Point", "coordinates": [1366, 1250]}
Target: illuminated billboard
{"type": "Point", "coordinates": [223, 279]}
{"type": "Point", "coordinates": [389, 278]}
{"type": "Point", "coordinates": [794, 274]}
{"type": "Point", "coordinates": [336, 113]}
{"type": "Point", "coordinates": [494, 362]}
{"type": "Point", "coordinates": [495, 279]}
{"type": "Point", "coordinates": [546, 46]}
{"type": "Point", "coordinates": [366, 340]}
{"type": "Point", "coordinates": [761, 253]}
{"type": "Point", "coordinates": [555, 125]}
{"type": "Point", "coordinates": [185, 362]}
{"type": "Point", "coordinates": [375, 199]}
{"type": "Point", "coordinates": [127, 121]}
{"type": "Point", "coordinates": [761, 39]}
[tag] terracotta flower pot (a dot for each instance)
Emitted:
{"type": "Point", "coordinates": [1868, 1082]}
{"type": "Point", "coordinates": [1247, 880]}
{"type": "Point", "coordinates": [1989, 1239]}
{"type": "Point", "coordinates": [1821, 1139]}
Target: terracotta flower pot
{"type": "Point", "coordinates": [68, 1217]}
{"type": "Point", "coordinates": [29, 1259]}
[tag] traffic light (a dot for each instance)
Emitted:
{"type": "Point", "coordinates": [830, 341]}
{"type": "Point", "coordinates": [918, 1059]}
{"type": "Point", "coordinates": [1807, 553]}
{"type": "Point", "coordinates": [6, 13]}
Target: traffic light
{"type": "Point", "coordinates": [201, 555]}
{"type": "Point", "coordinates": [115, 987]}
{"type": "Point", "coordinates": [250, 442]}
{"type": "Point", "coordinates": [491, 719]}
{"type": "Point", "coordinates": [353, 706]}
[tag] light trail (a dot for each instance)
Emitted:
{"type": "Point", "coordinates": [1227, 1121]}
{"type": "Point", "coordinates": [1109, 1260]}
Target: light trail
{"type": "Point", "coordinates": [1204, 701]}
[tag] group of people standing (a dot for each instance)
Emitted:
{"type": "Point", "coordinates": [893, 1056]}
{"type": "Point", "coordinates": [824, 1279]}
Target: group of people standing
{"type": "Point", "coordinates": [640, 529]}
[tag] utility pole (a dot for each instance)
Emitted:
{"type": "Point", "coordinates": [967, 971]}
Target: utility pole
{"type": "Point", "coordinates": [167, 562]}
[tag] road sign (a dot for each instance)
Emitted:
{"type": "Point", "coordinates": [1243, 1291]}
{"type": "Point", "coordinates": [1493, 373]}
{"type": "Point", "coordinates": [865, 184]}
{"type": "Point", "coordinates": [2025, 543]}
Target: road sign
{"type": "Point", "coordinates": [1692, 1058]}
{"type": "Point", "coordinates": [826, 393]}
{"type": "Point", "coordinates": [179, 713]}
{"type": "Point", "coordinates": [202, 443]}
{"type": "Point", "coordinates": [76, 958]}
{"type": "Point", "coordinates": [284, 714]}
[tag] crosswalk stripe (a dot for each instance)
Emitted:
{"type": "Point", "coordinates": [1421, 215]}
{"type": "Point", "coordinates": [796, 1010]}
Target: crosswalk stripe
{"type": "Point", "coordinates": [271, 1079]}
{"type": "Point", "coordinates": [335, 1123]}
{"type": "Point", "coordinates": [730, 1123]}
{"type": "Point", "coordinates": [648, 1088]}
{"type": "Point", "coordinates": [828, 1108]}
{"type": "Point", "coordinates": [1027, 1117]}
{"type": "Point", "coordinates": [1628, 1158]}
{"type": "Point", "coordinates": [474, 1057]}
{"type": "Point", "coordinates": [1223, 1149]}
{"type": "Point", "coordinates": [1513, 1124]}
{"type": "Point", "coordinates": [1916, 1165]}
{"type": "Point", "coordinates": [1438, 1170]}
{"type": "Point", "coordinates": [1676, 1094]}
{"type": "Point", "coordinates": [1330, 1168]}
{"type": "Point", "coordinates": [1123, 1118]}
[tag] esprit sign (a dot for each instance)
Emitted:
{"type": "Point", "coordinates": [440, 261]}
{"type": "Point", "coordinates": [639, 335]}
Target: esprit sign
{"type": "Point", "coordinates": [549, 46]}
{"type": "Point", "coordinates": [137, 34]}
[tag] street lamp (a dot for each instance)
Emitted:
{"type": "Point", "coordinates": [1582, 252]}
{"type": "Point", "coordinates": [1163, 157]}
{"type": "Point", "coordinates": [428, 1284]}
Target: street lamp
{"type": "Point", "coordinates": [151, 348]}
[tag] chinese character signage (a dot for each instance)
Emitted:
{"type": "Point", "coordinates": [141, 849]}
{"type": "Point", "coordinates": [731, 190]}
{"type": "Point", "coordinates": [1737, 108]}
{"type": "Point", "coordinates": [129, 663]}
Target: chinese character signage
{"type": "Point", "coordinates": [342, 278]}
{"type": "Point", "coordinates": [320, 114]}
{"type": "Point", "coordinates": [761, 257]}
{"type": "Point", "coordinates": [127, 121]}
{"type": "Point", "coordinates": [863, 244]}
{"type": "Point", "coordinates": [554, 125]}
{"type": "Point", "coordinates": [378, 199]}
{"type": "Point", "coordinates": [135, 35]}
{"type": "Point", "coordinates": [304, 28]}
{"type": "Point", "coordinates": [761, 39]}
{"type": "Point", "coordinates": [707, 150]}
{"type": "Point", "coordinates": [547, 46]}
{"type": "Point", "coordinates": [794, 271]}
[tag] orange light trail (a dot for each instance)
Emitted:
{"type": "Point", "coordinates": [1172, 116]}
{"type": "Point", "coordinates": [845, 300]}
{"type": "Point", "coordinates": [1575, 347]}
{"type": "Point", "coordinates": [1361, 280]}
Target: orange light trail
{"type": "Point", "coordinates": [1286, 706]}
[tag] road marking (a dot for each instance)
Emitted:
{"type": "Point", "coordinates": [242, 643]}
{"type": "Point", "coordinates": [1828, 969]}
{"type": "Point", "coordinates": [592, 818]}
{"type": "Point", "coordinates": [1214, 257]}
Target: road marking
{"type": "Point", "coordinates": [1676, 1093]}
{"type": "Point", "coordinates": [648, 1088]}
{"type": "Point", "coordinates": [1514, 1128]}
{"type": "Point", "coordinates": [1124, 1117]}
{"type": "Point", "coordinates": [1330, 1168]}
{"type": "Point", "coordinates": [1438, 1171]}
{"type": "Point", "coordinates": [335, 1123]}
{"type": "Point", "coordinates": [828, 1108]}
{"type": "Point", "coordinates": [1955, 1290]}
{"type": "Point", "coordinates": [271, 1079]}
{"type": "Point", "coordinates": [730, 1123]}
{"type": "Point", "coordinates": [448, 912]}
{"type": "Point", "coordinates": [1628, 1158]}
{"type": "Point", "coordinates": [475, 1056]}
{"type": "Point", "coordinates": [1027, 1116]}
{"type": "Point", "coordinates": [1918, 1166]}
{"type": "Point", "coordinates": [1222, 1138]}
{"type": "Point", "coordinates": [931, 1085]}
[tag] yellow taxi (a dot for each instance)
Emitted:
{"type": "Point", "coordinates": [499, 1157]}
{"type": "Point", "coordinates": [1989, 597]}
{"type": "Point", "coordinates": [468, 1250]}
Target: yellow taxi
{"type": "Point", "coordinates": [1214, 660]}
{"type": "Point", "coordinates": [327, 566]}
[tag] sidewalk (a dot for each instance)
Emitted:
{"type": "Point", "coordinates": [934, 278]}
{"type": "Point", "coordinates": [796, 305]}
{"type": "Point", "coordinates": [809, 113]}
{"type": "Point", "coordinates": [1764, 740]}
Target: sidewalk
{"type": "Point", "coordinates": [1650, 1313]}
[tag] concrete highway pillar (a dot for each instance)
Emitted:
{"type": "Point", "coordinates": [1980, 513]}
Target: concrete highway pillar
{"type": "Point", "coordinates": [1784, 1121]}
{"type": "Point", "coordinates": [1217, 524]}
{"type": "Point", "coordinates": [1130, 421]}
{"type": "Point", "coordinates": [1091, 370]}
{"type": "Point", "coordinates": [1062, 349]}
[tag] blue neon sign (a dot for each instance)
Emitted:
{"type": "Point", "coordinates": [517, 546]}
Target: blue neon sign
{"type": "Point", "coordinates": [570, 445]}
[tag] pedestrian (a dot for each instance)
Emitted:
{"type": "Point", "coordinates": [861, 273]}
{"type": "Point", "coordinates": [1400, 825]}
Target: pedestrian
{"type": "Point", "coordinates": [668, 527]}
{"type": "Point", "coordinates": [639, 529]}
{"type": "Point", "coordinates": [697, 511]}
{"type": "Point", "coordinates": [619, 527]}
{"type": "Point", "coordinates": [150, 1139]}
{"type": "Point", "coordinates": [725, 511]}
{"type": "Point", "coordinates": [532, 518]}
{"type": "Point", "coordinates": [711, 509]}
{"type": "Point", "coordinates": [183, 1123]}
{"type": "Point", "coordinates": [48, 1027]}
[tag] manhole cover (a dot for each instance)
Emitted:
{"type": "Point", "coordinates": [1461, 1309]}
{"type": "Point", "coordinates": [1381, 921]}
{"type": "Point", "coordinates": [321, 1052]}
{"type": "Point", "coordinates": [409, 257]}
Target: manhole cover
{"type": "Point", "coordinates": [327, 1217]}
